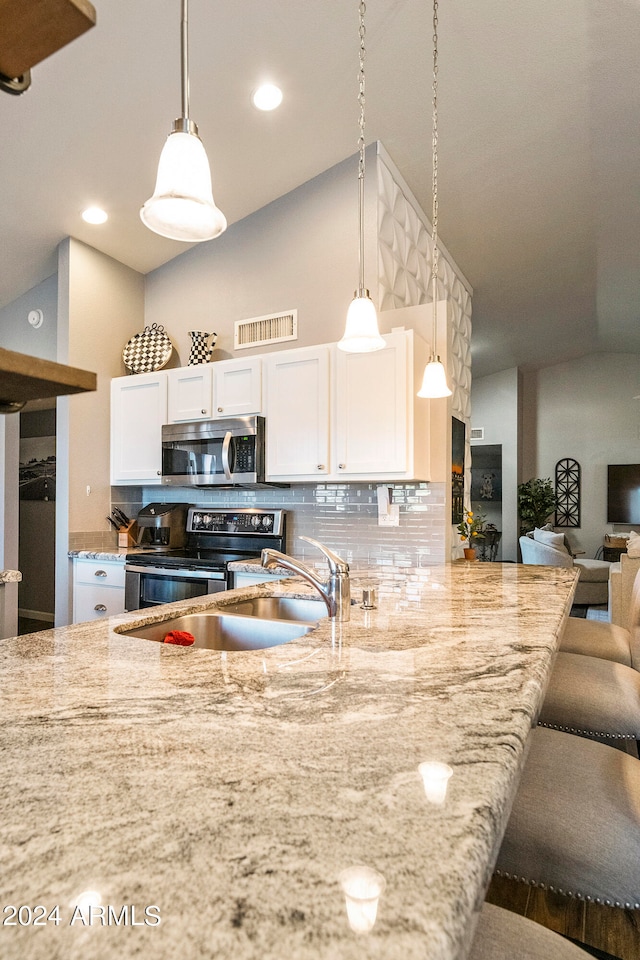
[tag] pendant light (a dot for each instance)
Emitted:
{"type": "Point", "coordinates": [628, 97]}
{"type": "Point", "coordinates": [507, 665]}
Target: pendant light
{"type": "Point", "coordinates": [434, 381]}
{"type": "Point", "coordinates": [182, 206]}
{"type": "Point", "coordinates": [361, 334]}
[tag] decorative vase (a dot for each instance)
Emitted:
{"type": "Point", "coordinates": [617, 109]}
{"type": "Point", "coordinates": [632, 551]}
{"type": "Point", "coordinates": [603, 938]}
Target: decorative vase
{"type": "Point", "coordinates": [469, 553]}
{"type": "Point", "coordinates": [201, 350]}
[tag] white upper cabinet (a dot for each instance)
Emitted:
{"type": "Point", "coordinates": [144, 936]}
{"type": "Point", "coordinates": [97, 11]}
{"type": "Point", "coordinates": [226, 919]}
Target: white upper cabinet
{"type": "Point", "coordinates": [297, 413]}
{"type": "Point", "coordinates": [138, 410]}
{"type": "Point", "coordinates": [329, 415]}
{"type": "Point", "coordinates": [344, 416]}
{"type": "Point", "coordinates": [189, 393]}
{"type": "Point", "coordinates": [371, 410]}
{"type": "Point", "coordinates": [237, 387]}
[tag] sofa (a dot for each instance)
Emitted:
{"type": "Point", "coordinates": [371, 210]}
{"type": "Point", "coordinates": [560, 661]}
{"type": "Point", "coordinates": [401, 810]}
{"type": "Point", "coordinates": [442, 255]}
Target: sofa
{"type": "Point", "coordinates": [551, 551]}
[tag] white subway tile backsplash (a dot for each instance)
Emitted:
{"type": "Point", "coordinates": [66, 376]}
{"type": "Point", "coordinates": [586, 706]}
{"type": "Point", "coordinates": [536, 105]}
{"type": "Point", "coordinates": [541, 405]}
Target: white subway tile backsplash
{"type": "Point", "coordinates": [344, 515]}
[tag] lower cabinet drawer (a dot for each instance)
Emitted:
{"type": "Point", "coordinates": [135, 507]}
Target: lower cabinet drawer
{"type": "Point", "coordinates": [91, 602]}
{"type": "Point", "coordinates": [98, 572]}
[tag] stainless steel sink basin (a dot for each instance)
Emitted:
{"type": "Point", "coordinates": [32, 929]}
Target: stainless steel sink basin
{"type": "Point", "coordinates": [215, 631]}
{"type": "Point", "coordinates": [279, 608]}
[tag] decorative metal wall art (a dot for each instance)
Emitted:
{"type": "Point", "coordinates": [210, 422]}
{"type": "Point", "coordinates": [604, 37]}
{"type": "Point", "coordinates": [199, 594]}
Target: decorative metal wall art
{"type": "Point", "coordinates": [568, 493]}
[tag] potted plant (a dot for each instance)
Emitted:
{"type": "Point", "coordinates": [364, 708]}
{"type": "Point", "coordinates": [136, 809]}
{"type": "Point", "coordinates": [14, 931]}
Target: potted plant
{"type": "Point", "coordinates": [470, 529]}
{"type": "Point", "coordinates": [536, 502]}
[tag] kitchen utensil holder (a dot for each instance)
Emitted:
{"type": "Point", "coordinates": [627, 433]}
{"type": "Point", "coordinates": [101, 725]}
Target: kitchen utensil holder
{"type": "Point", "coordinates": [128, 535]}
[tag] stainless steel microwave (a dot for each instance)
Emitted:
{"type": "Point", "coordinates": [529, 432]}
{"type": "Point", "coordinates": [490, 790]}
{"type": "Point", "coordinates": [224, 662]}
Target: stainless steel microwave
{"type": "Point", "coordinates": [211, 453]}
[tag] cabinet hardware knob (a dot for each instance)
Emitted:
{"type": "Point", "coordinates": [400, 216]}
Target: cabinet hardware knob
{"type": "Point", "coordinates": [100, 607]}
{"type": "Point", "coordinates": [321, 466]}
{"type": "Point", "coordinates": [158, 472]}
{"type": "Point", "coordinates": [100, 573]}
{"type": "Point", "coordinates": [203, 410]}
{"type": "Point", "coordinates": [220, 409]}
{"type": "Point", "coordinates": [341, 466]}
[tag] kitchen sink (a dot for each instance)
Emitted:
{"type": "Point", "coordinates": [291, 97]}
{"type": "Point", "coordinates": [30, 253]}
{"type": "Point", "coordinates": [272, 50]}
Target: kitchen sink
{"type": "Point", "coordinates": [279, 608]}
{"type": "Point", "coordinates": [217, 631]}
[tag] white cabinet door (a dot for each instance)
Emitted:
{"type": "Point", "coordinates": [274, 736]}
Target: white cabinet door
{"type": "Point", "coordinates": [237, 387]}
{"type": "Point", "coordinates": [297, 413]}
{"type": "Point", "coordinates": [370, 411]}
{"type": "Point", "coordinates": [98, 589]}
{"type": "Point", "coordinates": [189, 392]}
{"type": "Point", "coordinates": [138, 410]}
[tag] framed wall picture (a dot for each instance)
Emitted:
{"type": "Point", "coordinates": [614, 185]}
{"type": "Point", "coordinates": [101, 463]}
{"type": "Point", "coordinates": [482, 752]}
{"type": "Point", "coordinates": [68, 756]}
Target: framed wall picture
{"type": "Point", "coordinates": [37, 474]}
{"type": "Point", "coordinates": [458, 438]}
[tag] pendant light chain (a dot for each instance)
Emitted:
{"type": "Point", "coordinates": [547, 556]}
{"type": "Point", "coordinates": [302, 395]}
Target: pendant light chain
{"type": "Point", "coordinates": [184, 57]}
{"type": "Point", "coordinates": [434, 175]}
{"type": "Point", "coordinates": [434, 381]}
{"type": "Point", "coordinates": [361, 146]}
{"type": "Point", "coordinates": [361, 333]}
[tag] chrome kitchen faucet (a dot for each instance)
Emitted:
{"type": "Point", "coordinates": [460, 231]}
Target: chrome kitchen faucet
{"type": "Point", "coordinates": [336, 592]}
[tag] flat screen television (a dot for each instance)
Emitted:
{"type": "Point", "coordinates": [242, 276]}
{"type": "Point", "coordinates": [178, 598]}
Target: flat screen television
{"type": "Point", "coordinates": [623, 493]}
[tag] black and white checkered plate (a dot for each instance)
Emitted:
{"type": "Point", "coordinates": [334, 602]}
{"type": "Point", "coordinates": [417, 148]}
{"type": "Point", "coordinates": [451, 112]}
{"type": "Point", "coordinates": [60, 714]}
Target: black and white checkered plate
{"type": "Point", "coordinates": [148, 351]}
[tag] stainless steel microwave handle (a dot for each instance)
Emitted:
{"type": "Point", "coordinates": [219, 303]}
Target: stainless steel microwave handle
{"type": "Point", "coordinates": [225, 455]}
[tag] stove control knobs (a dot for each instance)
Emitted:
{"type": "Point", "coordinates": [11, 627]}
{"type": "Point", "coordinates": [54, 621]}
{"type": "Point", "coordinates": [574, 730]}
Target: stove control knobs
{"type": "Point", "coordinates": [207, 519]}
{"type": "Point", "coordinates": [256, 521]}
{"type": "Point", "coordinates": [267, 521]}
{"type": "Point", "coordinates": [197, 520]}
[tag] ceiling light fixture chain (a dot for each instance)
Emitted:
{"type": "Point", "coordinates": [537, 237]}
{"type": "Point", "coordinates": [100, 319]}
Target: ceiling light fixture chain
{"type": "Point", "coordinates": [184, 57]}
{"type": "Point", "coordinates": [434, 381]}
{"type": "Point", "coordinates": [361, 333]}
{"type": "Point", "coordinates": [361, 145]}
{"type": "Point", "coordinates": [434, 170]}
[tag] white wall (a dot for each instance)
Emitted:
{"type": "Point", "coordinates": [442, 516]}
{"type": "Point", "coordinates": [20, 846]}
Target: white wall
{"type": "Point", "coordinates": [16, 333]}
{"type": "Point", "coordinates": [298, 252]}
{"type": "Point", "coordinates": [586, 411]}
{"type": "Point", "coordinates": [9, 450]}
{"type": "Point", "coordinates": [100, 307]}
{"type": "Point", "coordinates": [495, 407]}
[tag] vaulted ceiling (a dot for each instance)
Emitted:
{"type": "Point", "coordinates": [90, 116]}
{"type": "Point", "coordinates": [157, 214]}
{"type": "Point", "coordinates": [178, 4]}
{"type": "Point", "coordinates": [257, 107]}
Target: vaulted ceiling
{"type": "Point", "coordinates": [539, 143]}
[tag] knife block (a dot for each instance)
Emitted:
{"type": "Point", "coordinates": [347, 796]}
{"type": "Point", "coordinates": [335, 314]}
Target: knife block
{"type": "Point", "coordinates": [128, 536]}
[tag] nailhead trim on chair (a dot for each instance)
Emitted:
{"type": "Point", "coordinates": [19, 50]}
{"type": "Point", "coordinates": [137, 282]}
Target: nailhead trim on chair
{"type": "Point", "coordinates": [585, 733]}
{"type": "Point", "coordinates": [567, 893]}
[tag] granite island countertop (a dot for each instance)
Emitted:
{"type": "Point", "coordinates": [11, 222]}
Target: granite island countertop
{"type": "Point", "coordinates": [229, 790]}
{"type": "Point", "coordinates": [10, 576]}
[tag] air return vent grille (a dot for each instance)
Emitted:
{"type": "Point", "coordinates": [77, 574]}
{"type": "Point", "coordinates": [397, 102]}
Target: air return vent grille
{"type": "Point", "coordinates": [477, 433]}
{"type": "Point", "coordinates": [262, 330]}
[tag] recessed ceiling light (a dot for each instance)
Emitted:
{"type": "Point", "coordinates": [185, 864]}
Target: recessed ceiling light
{"type": "Point", "coordinates": [267, 97]}
{"type": "Point", "coordinates": [94, 215]}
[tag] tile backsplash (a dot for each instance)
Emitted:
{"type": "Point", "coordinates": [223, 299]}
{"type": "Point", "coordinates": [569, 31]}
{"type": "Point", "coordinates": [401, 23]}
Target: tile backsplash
{"type": "Point", "coordinates": [342, 515]}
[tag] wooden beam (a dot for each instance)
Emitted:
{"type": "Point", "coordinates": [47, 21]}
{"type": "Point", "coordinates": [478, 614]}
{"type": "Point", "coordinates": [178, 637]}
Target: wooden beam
{"type": "Point", "coordinates": [31, 30]}
{"type": "Point", "coordinates": [30, 378]}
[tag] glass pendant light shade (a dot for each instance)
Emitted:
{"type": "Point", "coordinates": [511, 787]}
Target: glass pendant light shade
{"type": "Point", "coordinates": [434, 381]}
{"type": "Point", "coordinates": [182, 206]}
{"type": "Point", "coordinates": [361, 334]}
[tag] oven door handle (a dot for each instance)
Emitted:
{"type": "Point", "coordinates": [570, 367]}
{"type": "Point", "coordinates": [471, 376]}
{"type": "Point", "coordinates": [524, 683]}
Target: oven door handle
{"type": "Point", "coordinates": [175, 573]}
{"type": "Point", "coordinates": [225, 454]}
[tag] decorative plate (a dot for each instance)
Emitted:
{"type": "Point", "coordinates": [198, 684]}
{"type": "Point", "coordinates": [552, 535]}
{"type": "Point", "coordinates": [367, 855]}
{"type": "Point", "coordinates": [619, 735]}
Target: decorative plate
{"type": "Point", "coordinates": [148, 351]}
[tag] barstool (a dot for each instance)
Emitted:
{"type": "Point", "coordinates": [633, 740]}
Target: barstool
{"type": "Point", "coordinates": [575, 821]}
{"type": "Point", "coordinates": [594, 698]}
{"type": "Point", "coordinates": [597, 639]}
{"type": "Point", "coordinates": [606, 640]}
{"type": "Point", "coordinates": [502, 935]}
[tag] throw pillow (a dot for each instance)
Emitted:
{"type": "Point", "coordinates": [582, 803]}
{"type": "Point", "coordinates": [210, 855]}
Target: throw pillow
{"type": "Point", "coordinates": [633, 546]}
{"type": "Point", "coordinates": [555, 540]}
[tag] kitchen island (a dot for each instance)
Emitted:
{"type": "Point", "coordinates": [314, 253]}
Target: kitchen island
{"type": "Point", "coordinates": [228, 791]}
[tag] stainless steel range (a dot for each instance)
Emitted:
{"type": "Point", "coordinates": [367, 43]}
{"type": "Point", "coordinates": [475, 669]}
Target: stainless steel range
{"type": "Point", "coordinates": [214, 537]}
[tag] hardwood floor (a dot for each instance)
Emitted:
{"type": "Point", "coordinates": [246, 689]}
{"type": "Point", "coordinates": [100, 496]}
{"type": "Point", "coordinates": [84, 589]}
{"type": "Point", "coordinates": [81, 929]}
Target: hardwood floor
{"type": "Point", "coordinates": [613, 932]}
